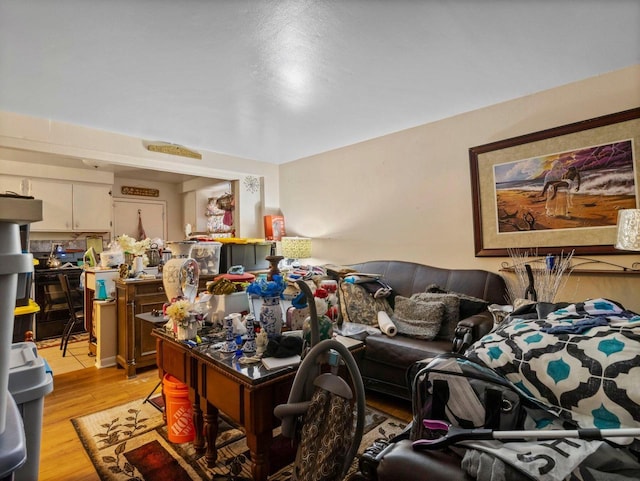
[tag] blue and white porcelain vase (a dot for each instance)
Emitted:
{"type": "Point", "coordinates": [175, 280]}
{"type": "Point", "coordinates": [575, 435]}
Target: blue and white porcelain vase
{"type": "Point", "coordinates": [271, 316]}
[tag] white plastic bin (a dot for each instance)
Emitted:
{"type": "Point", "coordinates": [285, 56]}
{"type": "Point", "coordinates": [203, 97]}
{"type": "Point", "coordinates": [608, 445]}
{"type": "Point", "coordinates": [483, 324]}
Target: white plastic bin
{"type": "Point", "coordinates": [207, 254]}
{"type": "Point", "coordinates": [29, 383]}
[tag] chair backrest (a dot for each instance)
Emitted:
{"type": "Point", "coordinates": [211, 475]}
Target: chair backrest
{"type": "Point", "coordinates": [66, 288]}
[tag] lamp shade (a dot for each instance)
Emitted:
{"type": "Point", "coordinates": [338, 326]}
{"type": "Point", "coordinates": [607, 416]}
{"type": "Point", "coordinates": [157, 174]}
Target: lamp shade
{"type": "Point", "coordinates": [628, 230]}
{"type": "Point", "coordinates": [296, 247]}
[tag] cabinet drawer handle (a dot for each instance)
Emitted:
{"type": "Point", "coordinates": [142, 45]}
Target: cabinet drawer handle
{"type": "Point", "coordinates": [160, 289]}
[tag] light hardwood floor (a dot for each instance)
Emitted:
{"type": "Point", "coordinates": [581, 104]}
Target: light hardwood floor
{"type": "Point", "coordinates": [89, 390]}
{"type": "Point", "coordinates": [76, 393]}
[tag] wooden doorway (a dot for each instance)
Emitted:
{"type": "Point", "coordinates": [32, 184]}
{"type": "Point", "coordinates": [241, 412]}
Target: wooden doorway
{"type": "Point", "coordinates": [152, 212]}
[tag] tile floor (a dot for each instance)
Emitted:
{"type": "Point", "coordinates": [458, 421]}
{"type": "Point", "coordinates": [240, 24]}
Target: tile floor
{"type": "Point", "coordinates": [77, 357]}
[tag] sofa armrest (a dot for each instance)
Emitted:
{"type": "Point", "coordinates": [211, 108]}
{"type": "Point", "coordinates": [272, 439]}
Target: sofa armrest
{"type": "Point", "coordinates": [370, 458]}
{"type": "Point", "coordinates": [401, 461]}
{"type": "Point", "coordinates": [471, 329]}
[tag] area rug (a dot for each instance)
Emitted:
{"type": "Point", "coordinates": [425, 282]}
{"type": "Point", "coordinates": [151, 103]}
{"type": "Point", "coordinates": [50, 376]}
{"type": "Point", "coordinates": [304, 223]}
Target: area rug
{"type": "Point", "coordinates": [55, 341]}
{"type": "Point", "coordinates": [129, 443]}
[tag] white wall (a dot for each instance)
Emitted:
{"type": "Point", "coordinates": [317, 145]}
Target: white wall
{"type": "Point", "coordinates": [407, 195]}
{"type": "Point", "coordinates": [32, 134]}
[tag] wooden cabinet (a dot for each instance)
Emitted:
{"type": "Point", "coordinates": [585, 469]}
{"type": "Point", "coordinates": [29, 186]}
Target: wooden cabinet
{"type": "Point", "coordinates": [136, 347]}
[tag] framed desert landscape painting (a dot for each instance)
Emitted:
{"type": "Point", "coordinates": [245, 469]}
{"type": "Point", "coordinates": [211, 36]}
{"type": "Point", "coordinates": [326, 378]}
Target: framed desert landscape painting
{"type": "Point", "coordinates": [556, 190]}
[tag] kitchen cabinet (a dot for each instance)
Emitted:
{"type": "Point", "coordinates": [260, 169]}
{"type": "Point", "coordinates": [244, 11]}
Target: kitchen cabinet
{"type": "Point", "coordinates": [66, 206]}
{"type": "Point", "coordinates": [57, 201]}
{"type": "Point", "coordinates": [136, 348]}
{"type": "Point", "coordinates": [10, 183]}
{"type": "Point", "coordinates": [92, 207]}
{"type": "Point", "coordinates": [72, 207]}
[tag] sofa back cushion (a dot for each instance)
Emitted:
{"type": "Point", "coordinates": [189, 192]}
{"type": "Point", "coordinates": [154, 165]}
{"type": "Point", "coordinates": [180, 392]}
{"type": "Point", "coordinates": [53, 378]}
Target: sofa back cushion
{"type": "Point", "coordinates": [407, 278]}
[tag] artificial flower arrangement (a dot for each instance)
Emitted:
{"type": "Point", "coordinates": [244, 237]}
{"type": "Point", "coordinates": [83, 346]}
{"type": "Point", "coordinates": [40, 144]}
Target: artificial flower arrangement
{"type": "Point", "coordinates": [185, 316]}
{"type": "Point", "coordinates": [131, 246]}
{"type": "Point", "coordinates": [264, 288]}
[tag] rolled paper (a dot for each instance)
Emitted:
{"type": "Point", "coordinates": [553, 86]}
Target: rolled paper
{"type": "Point", "coordinates": [386, 325]}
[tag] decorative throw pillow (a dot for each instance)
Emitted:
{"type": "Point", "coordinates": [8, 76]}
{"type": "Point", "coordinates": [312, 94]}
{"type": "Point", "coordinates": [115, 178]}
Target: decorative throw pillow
{"type": "Point", "coordinates": [451, 311]}
{"type": "Point", "coordinates": [418, 319]}
{"type": "Point", "coordinates": [357, 305]}
{"type": "Point", "coordinates": [469, 305]}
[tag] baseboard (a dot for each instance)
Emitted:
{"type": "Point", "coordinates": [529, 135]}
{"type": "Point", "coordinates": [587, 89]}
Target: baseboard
{"type": "Point", "coordinates": [105, 362]}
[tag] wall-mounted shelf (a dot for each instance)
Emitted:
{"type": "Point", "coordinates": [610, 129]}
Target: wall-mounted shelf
{"type": "Point", "coordinates": [609, 268]}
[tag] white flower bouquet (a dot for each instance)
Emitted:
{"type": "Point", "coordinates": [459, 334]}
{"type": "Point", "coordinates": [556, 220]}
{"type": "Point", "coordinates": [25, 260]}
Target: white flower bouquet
{"type": "Point", "coordinates": [131, 246]}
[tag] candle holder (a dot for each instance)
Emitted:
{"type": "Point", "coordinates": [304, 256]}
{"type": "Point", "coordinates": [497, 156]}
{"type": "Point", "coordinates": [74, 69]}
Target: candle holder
{"type": "Point", "coordinates": [250, 343]}
{"type": "Point", "coordinates": [230, 340]}
{"type": "Point", "coordinates": [273, 266]}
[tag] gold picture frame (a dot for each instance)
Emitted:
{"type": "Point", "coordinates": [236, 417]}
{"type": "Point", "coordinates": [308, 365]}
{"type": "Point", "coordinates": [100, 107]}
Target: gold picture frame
{"type": "Point", "coordinates": [514, 188]}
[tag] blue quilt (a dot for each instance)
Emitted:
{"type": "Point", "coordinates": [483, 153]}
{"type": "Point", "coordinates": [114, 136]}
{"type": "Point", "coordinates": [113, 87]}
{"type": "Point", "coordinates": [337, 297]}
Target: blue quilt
{"type": "Point", "coordinates": [582, 360]}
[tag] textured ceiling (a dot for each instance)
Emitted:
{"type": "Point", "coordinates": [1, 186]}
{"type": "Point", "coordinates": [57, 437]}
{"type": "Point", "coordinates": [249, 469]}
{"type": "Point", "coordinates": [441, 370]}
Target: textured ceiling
{"type": "Point", "coordinates": [280, 80]}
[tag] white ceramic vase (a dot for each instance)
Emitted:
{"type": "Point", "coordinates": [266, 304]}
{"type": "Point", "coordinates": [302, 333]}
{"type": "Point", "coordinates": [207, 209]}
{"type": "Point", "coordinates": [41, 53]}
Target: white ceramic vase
{"type": "Point", "coordinates": [187, 332]}
{"type": "Point", "coordinates": [180, 278]}
{"type": "Point", "coordinates": [138, 264]}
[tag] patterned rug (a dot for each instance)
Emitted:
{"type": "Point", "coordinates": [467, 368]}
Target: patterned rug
{"type": "Point", "coordinates": [129, 442]}
{"type": "Point", "coordinates": [55, 341]}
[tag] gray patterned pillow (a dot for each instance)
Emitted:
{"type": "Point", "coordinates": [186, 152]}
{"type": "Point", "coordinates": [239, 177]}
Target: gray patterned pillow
{"type": "Point", "coordinates": [451, 311]}
{"type": "Point", "coordinates": [357, 305]}
{"type": "Point", "coordinates": [418, 319]}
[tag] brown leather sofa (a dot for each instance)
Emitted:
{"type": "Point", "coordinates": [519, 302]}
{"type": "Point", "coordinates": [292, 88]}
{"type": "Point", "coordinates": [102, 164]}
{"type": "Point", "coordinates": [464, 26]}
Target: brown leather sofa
{"type": "Point", "coordinates": [386, 360]}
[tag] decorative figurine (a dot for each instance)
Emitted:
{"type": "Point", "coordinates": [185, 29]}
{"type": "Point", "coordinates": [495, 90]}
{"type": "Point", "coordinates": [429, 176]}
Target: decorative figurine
{"type": "Point", "coordinates": [261, 342]}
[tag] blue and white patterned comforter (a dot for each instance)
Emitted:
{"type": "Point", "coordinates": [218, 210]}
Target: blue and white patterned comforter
{"type": "Point", "coordinates": [591, 375]}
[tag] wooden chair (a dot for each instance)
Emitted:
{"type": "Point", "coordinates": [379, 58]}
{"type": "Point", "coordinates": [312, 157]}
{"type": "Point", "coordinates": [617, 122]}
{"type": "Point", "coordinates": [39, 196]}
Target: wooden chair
{"type": "Point", "coordinates": [75, 316]}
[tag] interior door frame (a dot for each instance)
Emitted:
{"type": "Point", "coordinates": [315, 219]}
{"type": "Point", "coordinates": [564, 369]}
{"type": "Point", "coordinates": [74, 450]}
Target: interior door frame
{"type": "Point", "coordinates": [127, 200]}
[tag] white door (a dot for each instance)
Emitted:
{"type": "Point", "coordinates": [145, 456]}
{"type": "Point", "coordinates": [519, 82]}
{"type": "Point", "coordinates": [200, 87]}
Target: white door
{"type": "Point", "coordinates": [152, 213]}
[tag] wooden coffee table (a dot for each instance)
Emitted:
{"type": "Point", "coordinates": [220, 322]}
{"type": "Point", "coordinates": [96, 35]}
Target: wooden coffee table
{"type": "Point", "coordinates": [218, 382]}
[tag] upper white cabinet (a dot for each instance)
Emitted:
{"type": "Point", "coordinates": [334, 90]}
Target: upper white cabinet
{"type": "Point", "coordinates": [66, 206]}
{"type": "Point", "coordinates": [57, 202]}
{"type": "Point", "coordinates": [10, 183]}
{"type": "Point", "coordinates": [92, 207]}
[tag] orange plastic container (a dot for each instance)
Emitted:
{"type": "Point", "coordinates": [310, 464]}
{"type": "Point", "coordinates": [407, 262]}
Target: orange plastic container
{"type": "Point", "coordinates": [178, 410]}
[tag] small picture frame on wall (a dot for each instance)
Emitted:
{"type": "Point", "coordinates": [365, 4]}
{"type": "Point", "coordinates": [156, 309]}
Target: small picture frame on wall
{"type": "Point", "coordinates": [559, 189]}
{"type": "Point", "coordinates": [274, 227]}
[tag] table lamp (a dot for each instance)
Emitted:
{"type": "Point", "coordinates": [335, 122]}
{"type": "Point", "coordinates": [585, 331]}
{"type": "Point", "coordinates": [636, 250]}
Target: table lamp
{"type": "Point", "coordinates": [294, 249]}
{"type": "Point", "coordinates": [628, 238]}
